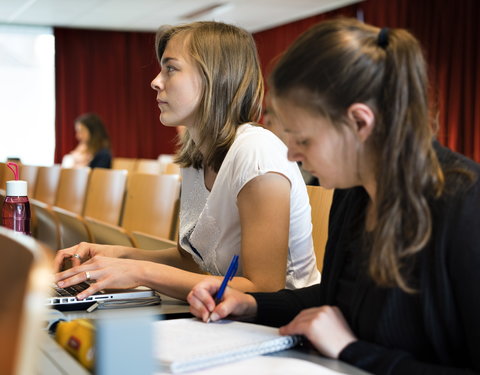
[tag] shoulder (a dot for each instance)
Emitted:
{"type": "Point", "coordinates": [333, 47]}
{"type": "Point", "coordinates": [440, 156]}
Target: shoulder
{"type": "Point", "coordinates": [254, 146]}
{"type": "Point", "coordinates": [461, 174]}
{"type": "Point", "coordinates": [254, 136]}
{"type": "Point", "coordinates": [455, 213]}
{"type": "Point", "coordinates": [102, 159]}
{"type": "Point", "coordinates": [104, 152]}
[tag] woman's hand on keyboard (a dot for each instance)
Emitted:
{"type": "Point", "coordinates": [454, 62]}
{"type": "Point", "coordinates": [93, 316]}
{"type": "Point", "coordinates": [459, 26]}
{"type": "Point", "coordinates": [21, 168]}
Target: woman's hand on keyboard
{"type": "Point", "coordinates": [108, 273]}
{"type": "Point", "coordinates": [84, 251]}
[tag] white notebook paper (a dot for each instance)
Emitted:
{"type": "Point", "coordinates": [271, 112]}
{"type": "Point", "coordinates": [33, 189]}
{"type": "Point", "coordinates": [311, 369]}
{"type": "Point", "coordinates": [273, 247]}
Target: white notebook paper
{"type": "Point", "coordinates": [183, 345]}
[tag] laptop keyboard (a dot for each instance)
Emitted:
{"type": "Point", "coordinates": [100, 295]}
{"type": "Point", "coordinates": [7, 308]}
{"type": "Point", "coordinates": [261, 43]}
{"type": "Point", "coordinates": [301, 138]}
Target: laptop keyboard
{"type": "Point", "coordinates": [70, 290]}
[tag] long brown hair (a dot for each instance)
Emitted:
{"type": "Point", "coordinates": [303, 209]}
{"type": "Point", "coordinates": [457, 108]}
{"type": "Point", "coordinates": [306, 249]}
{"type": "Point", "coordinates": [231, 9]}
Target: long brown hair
{"type": "Point", "coordinates": [227, 59]}
{"type": "Point", "coordinates": [99, 138]}
{"type": "Point", "coordinates": [344, 61]}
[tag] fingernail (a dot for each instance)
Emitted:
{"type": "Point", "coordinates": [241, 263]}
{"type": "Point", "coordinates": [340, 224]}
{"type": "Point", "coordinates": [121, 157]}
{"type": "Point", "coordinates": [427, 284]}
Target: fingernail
{"type": "Point", "coordinates": [80, 296]}
{"type": "Point", "coordinates": [60, 283]}
{"type": "Point", "coordinates": [214, 317]}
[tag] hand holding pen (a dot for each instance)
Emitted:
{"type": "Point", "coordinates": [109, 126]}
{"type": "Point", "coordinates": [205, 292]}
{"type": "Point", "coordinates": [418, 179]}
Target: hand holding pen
{"type": "Point", "coordinates": [232, 270]}
{"type": "Point", "coordinates": [210, 300]}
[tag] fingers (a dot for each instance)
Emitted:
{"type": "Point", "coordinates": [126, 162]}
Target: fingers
{"type": "Point", "coordinates": [62, 255]}
{"type": "Point", "coordinates": [74, 276]}
{"type": "Point", "coordinates": [94, 288]}
{"type": "Point", "coordinates": [76, 255]}
{"type": "Point", "coordinates": [201, 299]}
{"type": "Point", "coordinates": [325, 327]}
{"type": "Point", "coordinates": [223, 309]}
{"type": "Point", "coordinates": [301, 324]}
{"type": "Point", "coordinates": [197, 307]}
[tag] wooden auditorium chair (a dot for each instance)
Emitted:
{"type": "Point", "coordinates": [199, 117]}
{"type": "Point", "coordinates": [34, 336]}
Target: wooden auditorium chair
{"type": "Point", "coordinates": [26, 271]}
{"type": "Point", "coordinates": [320, 202]}
{"type": "Point", "coordinates": [149, 208]}
{"type": "Point", "coordinates": [71, 192]}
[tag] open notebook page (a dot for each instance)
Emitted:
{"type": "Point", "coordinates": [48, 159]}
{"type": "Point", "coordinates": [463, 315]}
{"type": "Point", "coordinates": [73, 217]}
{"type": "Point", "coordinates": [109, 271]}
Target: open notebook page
{"type": "Point", "coordinates": [189, 344]}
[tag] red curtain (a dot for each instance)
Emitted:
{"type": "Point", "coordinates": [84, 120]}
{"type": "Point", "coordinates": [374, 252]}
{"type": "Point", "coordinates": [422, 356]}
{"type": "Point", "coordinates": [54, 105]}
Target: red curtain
{"type": "Point", "coordinates": [109, 73]}
{"type": "Point", "coordinates": [271, 43]}
{"type": "Point", "coordinates": [450, 35]}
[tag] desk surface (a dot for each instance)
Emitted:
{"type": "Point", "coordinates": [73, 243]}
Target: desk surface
{"type": "Point", "coordinates": [54, 360]}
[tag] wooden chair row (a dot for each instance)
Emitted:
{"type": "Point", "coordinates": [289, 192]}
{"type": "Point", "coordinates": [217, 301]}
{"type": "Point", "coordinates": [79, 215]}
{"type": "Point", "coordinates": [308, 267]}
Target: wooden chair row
{"type": "Point", "coordinates": [139, 228]}
{"type": "Point", "coordinates": [88, 205]}
{"type": "Point", "coordinates": [163, 165]}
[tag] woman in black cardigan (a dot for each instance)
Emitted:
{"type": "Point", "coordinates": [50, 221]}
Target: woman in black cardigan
{"type": "Point", "coordinates": [401, 280]}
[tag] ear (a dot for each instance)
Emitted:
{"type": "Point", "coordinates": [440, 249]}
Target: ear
{"type": "Point", "coordinates": [362, 120]}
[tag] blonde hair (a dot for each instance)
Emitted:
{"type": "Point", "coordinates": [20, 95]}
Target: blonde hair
{"type": "Point", "coordinates": [232, 94]}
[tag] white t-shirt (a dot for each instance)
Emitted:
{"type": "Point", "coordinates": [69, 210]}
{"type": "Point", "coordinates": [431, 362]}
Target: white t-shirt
{"type": "Point", "coordinates": [210, 223]}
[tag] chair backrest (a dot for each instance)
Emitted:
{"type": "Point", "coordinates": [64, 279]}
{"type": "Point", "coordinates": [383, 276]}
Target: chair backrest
{"type": "Point", "coordinates": [72, 189]}
{"type": "Point", "coordinates": [3, 176]}
{"type": "Point", "coordinates": [147, 166]}
{"type": "Point", "coordinates": [320, 202]}
{"type": "Point", "coordinates": [47, 225]}
{"type": "Point", "coordinates": [26, 269]}
{"type": "Point", "coordinates": [105, 194]}
{"type": "Point", "coordinates": [108, 234]}
{"type": "Point", "coordinates": [165, 159]}
{"type": "Point", "coordinates": [73, 228]}
{"type": "Point", "coordinates": [29, 173]}
{"type": "Point", "coordinates": [46, 184]}
{"type": "Point", "coordinates": [150, 204]}
{"type": "Point", "coordinates": [149, 242]}
{"type": "Point", "coordinates": [171, 168]}
{"type": "Point", "coordinates": [124, 163]}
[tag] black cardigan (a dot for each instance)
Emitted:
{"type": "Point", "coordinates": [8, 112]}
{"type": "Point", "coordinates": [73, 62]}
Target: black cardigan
{"type": "Point", "coordinates": [102, 159]}
{"type": "Point", "coordinates": [434, 331]}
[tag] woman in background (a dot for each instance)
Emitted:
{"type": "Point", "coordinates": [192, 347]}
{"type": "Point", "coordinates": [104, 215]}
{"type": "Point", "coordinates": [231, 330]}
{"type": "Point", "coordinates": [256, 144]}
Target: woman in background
{"type": "Point", "coordinates": [400, 282]}
{"type": "Point", "coordinates": [93, 149]}
{"type": "Point", "coordinates": [239, 195]}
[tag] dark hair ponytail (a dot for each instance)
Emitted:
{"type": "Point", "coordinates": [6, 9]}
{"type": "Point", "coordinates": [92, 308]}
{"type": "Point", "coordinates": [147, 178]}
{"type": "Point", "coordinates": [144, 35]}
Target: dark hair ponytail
{"type": "Point", "coordinates": [341, 62]}
{"type": "Point", "coordinates": [408, 170]}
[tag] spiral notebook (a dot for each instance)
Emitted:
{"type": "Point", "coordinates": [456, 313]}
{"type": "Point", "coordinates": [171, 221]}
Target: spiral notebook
{"type": "Point", "coordinates": [183, 345]}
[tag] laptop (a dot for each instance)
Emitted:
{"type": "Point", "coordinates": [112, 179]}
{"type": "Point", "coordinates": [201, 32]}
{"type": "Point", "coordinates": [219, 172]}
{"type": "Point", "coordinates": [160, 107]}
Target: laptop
{"type": "Point", "coordinates": [64, 299]}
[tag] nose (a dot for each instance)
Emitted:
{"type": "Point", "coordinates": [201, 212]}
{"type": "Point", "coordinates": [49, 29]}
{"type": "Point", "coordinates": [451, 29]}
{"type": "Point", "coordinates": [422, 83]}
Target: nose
{"type": "Point", "coordinates": [294, 155]}
{"type": "Point", "coordinates": [156, 83]}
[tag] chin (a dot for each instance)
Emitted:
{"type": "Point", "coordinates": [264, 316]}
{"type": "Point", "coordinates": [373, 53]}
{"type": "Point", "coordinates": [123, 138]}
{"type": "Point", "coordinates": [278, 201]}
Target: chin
{"type": "Point", "coordinates": [167, 123]}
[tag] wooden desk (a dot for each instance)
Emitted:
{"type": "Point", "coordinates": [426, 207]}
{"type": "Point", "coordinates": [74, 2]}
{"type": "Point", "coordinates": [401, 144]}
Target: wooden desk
{"type": "Point", "coordinates": [54, 360]}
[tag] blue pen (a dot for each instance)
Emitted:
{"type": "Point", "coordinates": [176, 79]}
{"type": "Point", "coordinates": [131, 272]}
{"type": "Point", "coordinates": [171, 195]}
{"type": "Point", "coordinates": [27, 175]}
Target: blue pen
{"type": "Point", "coordinates": [232, 270]}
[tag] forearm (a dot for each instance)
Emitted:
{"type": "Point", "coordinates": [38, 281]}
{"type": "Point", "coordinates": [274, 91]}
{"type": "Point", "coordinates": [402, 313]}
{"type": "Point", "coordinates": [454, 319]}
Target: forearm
{"type": "Point", "coordinates": [277, 309]}
{"type": "Point", "coordinates": [170, 257]}
{"type": "Point", "coordinates": [177, 283]}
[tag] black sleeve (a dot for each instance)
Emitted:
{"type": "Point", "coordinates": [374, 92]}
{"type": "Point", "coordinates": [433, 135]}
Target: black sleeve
{"type": "Point", "coordinates": [460, 249]}
{"type": "Point", "coordinates": [380, 360]}
{"type": "Point", "coordinates": [102, 159]}
{"type": "Point", "coordinates": [277, 309]}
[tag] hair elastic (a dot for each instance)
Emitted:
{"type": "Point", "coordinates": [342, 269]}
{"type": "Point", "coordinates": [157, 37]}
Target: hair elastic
{"type": "Point", "coordinates": [382, 39]}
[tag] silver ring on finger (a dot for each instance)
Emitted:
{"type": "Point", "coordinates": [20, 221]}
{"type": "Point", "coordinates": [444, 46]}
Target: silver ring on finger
{"type": "Point", "coordinates": [77, 256]}
{"type": "Point", "coordinates": [87, 274]}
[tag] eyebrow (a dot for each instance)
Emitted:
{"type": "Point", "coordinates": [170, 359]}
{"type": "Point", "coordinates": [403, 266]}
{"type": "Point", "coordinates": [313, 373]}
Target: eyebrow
{"type": "Point", "coordinates": [167, 59]}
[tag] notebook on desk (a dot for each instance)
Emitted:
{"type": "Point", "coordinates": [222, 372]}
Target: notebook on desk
{"type": "Point", "coordinates": [64, 299]}
{"type": "Point", "coordinates": [183, 345]}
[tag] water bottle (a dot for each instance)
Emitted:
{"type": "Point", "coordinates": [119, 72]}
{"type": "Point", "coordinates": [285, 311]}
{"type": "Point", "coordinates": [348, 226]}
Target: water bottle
{"type": "Point", "coordinates": [16, 207]}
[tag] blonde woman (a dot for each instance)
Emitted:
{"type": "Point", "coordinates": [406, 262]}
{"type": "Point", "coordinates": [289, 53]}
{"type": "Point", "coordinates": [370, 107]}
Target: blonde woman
{"type": "Point", "coordinates": [240, 194]}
